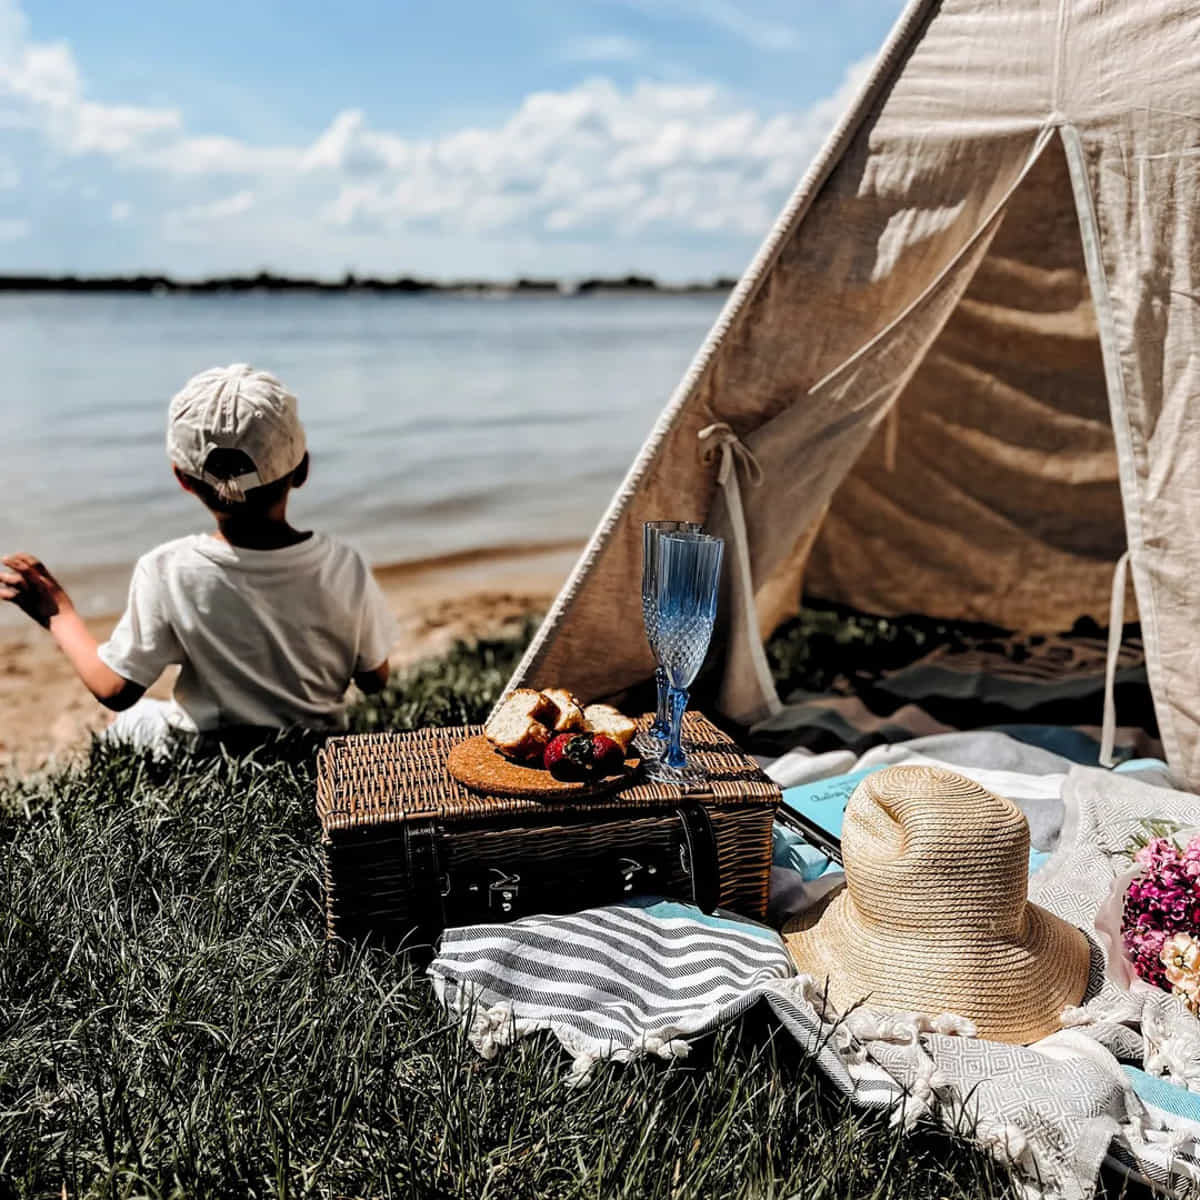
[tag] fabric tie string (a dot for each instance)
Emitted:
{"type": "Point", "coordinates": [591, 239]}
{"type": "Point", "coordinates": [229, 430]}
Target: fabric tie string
{"type": "Point", "coordinates": [720, 438]}
{"type": "Point", "coordinates": [1116, 625]}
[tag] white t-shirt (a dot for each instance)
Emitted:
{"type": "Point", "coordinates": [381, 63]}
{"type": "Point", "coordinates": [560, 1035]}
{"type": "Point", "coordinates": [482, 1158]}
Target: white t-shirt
{"type": "Point", "coordinates": [262, 637]}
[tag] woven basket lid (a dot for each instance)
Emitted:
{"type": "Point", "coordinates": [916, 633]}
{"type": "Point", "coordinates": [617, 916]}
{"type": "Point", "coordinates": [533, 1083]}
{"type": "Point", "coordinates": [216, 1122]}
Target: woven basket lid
{"type": "Point", "coordinates": [934, 916]}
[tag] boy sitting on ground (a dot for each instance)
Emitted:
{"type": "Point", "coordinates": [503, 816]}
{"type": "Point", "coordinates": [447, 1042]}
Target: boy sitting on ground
{"type": "Point", "coordinates": [267, 624]}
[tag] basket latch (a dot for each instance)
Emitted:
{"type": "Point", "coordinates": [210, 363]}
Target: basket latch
{"type": "Point", "coordinates": [698, 856]}
{"type": "Point", "coordinates": [503, 892]}
{"type": "Point", "coordinates": [629, 868]}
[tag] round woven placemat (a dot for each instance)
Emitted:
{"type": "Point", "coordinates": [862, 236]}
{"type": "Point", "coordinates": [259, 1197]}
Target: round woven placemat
{"type": "Point", "coordinates": [482, 768]}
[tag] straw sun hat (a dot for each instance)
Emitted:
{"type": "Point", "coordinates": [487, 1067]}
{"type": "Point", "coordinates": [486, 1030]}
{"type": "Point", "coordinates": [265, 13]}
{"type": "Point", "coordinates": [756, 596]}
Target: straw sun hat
{"type": "Point", "coordinates": [933, 917]}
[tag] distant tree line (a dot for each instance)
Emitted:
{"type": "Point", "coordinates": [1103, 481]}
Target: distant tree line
{"type": "Point", "coordinates": [268, 281]}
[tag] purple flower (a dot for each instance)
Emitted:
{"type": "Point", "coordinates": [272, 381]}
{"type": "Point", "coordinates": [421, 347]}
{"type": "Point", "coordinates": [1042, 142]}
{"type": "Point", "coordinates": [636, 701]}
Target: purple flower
{"type": "Point", "coordinates": [1162, 902]}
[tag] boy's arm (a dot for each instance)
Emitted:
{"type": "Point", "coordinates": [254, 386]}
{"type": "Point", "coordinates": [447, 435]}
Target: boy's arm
{"type": "Point", "coordinates": [374, 680]}
{"type": "Point", "coordinates": [36, 592]}
{"type": "Point", "coordinates": [376, 635]}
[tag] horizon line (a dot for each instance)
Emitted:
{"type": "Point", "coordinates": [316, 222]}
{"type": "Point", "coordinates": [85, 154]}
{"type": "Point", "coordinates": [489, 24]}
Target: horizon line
{"type": "Point", "coordinates": [153, 282]}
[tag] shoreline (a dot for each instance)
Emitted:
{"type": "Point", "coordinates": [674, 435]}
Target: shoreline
{"type": "Point", "coordinates": [462, 595]}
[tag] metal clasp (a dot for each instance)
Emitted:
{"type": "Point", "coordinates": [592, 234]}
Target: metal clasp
{"type": "Point", "coordinates": [502, 892]}
{"type": "Point", "coordinates": [629, 867]}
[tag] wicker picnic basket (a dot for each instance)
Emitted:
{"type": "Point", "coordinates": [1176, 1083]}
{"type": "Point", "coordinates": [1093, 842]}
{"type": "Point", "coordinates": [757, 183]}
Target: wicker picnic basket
{"type": "Point", "coordinates": [408, 850]}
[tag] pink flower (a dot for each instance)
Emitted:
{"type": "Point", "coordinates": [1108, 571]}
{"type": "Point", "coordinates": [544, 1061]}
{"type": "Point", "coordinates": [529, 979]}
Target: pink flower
{"type": "Point", "coordinates": [1154, 851]}
{"type": "Point", "coordinates": [1144, 947]}
{"type": "Point", "coordinates": [1191, 858]}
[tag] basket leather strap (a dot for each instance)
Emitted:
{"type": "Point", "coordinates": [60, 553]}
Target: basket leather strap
{"type": "Point", "coordinates": [425, 880]}
{"type": "Point", "coordinates": [701, 845]}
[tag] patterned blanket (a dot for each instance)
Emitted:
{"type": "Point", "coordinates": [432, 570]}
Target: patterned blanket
{"type": "Point", "coordinates": [646, 976]}
{"type": "Point", "coordinates": [968, 681]}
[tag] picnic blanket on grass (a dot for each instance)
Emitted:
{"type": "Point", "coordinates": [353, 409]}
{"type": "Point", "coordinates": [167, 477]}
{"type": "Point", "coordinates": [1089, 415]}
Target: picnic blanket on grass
{"type": "Point", "coordinates": [887, 692]}
{"type": "Point", "coordinates": [649, 975]}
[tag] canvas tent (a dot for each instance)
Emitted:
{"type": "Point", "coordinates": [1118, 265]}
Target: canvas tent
{"type": "Point", "coordinates": [962, 375]}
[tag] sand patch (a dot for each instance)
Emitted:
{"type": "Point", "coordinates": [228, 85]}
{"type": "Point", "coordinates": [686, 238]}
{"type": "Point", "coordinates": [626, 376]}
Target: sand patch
{"type": "Point", "coordinates": [48, 714]}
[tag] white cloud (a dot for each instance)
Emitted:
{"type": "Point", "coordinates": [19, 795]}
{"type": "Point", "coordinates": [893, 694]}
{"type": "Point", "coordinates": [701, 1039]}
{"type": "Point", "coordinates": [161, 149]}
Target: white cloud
{"type": "Point", "coordinates": [196, 216]}
{"type": "Point", "coordinates": [12, 229]}
{"type": "Point", "coordinates": [10, 174]}
{"type": "Point", "coordinates": [594, 161]}
{"type": "Point", "coordinates": [683, 159]}
{"type": "Point", "coordinates": [604, 47]}
{"type": "Point", "coordinates": [44, 78]}
{"type": "Point", "coordinates": [737, 19]}
{"type": "Point", "coordinates": [759, 33]}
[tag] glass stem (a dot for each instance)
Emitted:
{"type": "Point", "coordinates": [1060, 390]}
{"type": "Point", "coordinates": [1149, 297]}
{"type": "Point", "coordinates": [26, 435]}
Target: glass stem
{"type": "Point", "coordinates": [678, 702]}
{"type": "Point", "coordinates": [662, 721]}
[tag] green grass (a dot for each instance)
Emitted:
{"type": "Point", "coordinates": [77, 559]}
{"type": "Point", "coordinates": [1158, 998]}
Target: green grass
{"type": "Point", "coordinates": [168, 1026]}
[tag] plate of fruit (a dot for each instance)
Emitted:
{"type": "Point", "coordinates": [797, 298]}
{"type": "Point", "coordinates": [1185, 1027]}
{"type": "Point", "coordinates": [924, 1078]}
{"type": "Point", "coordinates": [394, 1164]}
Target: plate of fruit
{"type": "Point", "coordinates": [547, 744]}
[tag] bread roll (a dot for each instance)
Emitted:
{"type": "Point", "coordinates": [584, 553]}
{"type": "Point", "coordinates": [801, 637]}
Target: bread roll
{"type": "Point", "coordinates": [603, 718]}
{"type": "Point", "coordinates": [570, 711]}
{"type": "Point", "coordinates": [519, 727]}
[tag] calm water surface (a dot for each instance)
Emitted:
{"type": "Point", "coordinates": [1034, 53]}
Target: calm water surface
{"type": "Point", "coordinates": [436, 424]}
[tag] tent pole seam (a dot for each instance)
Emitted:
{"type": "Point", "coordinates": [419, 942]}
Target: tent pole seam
{"type": "Point", "coordinates": [903, 35]}
{"type": "Point", "coordinates": [1060, 53]}
{"type": "Point", "coordinates": [1118, 408]}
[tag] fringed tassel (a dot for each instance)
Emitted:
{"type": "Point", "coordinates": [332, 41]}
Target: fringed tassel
{"type": "Point", "coordinates": [1007, 1142]}
{"type": "Point", "coordinates": [492, 1028]}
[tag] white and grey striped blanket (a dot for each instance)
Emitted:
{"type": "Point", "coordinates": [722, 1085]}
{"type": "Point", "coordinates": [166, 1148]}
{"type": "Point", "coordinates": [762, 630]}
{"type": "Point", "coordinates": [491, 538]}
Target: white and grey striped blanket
{"type": "Point", "coordinates": [642, 977]}
{"type": "Point", "coordinates": [650, 975]}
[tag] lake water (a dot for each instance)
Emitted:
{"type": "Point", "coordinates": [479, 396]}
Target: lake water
{"type": "Point", "coordinates": [436, 423]}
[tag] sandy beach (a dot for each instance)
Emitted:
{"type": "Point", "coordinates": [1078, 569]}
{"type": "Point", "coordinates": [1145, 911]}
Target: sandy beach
{"type": "Point", "coordinates": [48, 714]}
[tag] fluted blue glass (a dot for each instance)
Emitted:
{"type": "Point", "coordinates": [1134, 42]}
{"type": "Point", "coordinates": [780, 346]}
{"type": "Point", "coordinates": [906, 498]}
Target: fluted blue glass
{"type": "Point", "coordinates": [689, 576]}
{"type": "Point", "coordinates": [651, 743]}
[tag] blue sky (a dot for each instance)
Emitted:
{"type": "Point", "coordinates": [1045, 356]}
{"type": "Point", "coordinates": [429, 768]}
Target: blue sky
{"type": "Point", "coordinates": [554, 137]}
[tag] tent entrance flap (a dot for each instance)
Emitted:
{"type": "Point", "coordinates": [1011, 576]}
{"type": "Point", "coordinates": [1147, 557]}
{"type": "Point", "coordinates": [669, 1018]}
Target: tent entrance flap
{"type": "Point", "coordinates": [999, 499]}
{"type": "Point", "coordinates": [808, 451]}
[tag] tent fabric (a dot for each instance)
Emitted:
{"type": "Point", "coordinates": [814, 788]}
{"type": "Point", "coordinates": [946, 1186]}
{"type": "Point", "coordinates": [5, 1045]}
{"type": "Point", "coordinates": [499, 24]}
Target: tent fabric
{"type": "Point", "coordinates": [960, 371]}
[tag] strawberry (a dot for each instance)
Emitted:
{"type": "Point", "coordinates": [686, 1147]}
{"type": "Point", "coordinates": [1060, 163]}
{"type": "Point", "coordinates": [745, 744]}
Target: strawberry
{"type": "Point", "coordinates": [568, 755]}
{"type": "Point", "coordinates": [607, 756]}
{"type": "Point", "coordinates": [581, 756]}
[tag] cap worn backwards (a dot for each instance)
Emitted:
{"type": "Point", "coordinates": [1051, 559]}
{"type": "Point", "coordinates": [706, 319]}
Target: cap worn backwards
{"type": "Point", "coordinates": [235, 408]}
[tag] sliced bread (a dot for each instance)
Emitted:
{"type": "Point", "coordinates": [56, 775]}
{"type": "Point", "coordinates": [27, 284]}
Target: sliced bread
{"type": "Point", "coordinates": [603, 718]}
{"type": "Point", "coordinates": [570, 711]}
{"type": "Point", "coordinates": [520, 726]}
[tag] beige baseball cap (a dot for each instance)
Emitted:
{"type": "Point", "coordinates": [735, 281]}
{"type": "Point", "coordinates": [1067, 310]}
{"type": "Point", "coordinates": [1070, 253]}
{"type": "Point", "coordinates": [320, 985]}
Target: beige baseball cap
{"type": "Point", "coordinates": [235, 408]}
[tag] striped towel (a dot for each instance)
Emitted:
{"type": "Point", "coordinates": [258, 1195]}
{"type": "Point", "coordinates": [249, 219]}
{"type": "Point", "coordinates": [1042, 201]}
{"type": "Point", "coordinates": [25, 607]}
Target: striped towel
{"type": "Point", "coordinates": [642, 977]}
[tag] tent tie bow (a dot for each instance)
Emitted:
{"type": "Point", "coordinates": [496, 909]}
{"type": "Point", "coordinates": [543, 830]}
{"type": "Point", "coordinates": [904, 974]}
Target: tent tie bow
{"type": "Point", "coordinates": [720, 436]}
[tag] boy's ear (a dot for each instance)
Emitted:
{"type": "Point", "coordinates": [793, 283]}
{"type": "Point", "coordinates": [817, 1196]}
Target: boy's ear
{"type": "Point", "coordinates": [300, 474]}
{"type": "Point", "coordinates": [185, 481]}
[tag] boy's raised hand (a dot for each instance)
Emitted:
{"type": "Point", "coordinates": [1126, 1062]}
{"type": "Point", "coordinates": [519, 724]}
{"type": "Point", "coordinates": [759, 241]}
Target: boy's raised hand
{"type": "Point", "coordinates": [27, 583]}
{"type": "Point", "coordinates": [32, 588]}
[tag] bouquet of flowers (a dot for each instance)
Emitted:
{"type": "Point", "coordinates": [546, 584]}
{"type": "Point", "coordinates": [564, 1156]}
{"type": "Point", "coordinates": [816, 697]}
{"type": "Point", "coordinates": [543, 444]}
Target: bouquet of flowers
{"type": "Point", "coordinates": [1160, 918]}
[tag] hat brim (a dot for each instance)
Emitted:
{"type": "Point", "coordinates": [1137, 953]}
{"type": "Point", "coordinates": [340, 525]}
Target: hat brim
{"type": "Point", "coordinates": [1013, 989]}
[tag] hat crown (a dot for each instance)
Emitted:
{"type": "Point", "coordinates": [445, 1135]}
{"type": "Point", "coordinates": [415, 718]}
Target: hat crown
{"type": "Point", "coordinates": [934, 916]}
{"type": "Point", "coordinates": [929, 852]}
{"type": "Point", "coordinates": [236, 408]}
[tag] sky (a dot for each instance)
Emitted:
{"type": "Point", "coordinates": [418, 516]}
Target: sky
{"type": "Point", "coordinates": [467, 138]}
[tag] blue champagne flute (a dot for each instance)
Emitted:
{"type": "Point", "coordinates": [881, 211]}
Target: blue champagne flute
{"type": "Point", "coordinates": [649, 742]}
{"type": "Point", "coordinates": [689, 576]}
